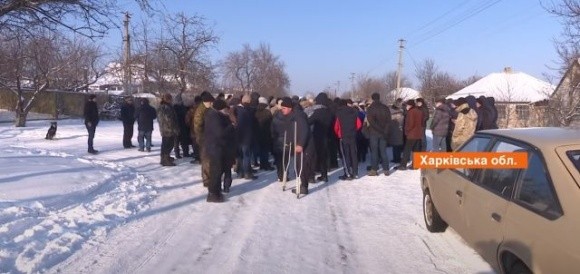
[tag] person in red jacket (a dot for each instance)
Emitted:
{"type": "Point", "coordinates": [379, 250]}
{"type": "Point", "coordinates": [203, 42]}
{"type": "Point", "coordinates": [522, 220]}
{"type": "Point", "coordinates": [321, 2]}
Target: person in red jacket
{"type": "Point", "coordinates": [414, 132]}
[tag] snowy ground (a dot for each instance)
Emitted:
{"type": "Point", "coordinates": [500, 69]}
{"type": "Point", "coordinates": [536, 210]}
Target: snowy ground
{"type": "Point", "coordinates": [65, 211]}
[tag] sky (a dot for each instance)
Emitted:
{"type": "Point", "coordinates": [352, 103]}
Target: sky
{"type": "Point", "coordinates": [63, 210]}
{"type": "Point", "coordinates": [322, 43]}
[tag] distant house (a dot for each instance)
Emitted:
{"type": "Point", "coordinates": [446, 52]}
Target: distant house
{"type": "Point", "coordinates": [564, 104]}
{"type": "Point", "coordinates": [403, 93]}
{"type": "Point", "coordinates": [520, 99]}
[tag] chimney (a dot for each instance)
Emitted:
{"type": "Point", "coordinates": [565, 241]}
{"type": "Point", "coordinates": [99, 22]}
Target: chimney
{"type": "Point", "coordinates": [508, 70]}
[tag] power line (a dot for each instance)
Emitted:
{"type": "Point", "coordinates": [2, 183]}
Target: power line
{"type": "Point", "coordinates": [439, 18]}
{"type": "Point", "coordinates": [458, 20]}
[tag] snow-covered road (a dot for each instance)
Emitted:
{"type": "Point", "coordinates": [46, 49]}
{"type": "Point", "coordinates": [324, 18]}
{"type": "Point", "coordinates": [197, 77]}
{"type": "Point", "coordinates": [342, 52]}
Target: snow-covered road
{"type": "Point", "coordinates": [65, 211]}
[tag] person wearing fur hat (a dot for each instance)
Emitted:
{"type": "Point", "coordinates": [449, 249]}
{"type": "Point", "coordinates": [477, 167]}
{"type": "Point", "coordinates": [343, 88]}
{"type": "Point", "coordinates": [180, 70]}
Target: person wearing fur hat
{"type": "Point", "coordinates": [91, 114]}
{"type": "Point", "coordinates": [198, 127]}
{"type": "Point", "coordinates": [413, 131]}
{"type": "Point", "coordinates": [465, 123]}
{"type": "Point", "coordinates": [218, 131]}
{"type": "Point", "coordinates": [168, 128]}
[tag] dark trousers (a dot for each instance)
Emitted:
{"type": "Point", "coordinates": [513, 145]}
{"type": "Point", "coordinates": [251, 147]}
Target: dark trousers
{"type": "Point", "coordinates": [127, 134]}
{"type": "Point", "coordinates": [245, 160]}
{"type": "Point", "coordinates": [305, 161]}
{"type": "Point", "coordinates": [379, 152]}
{"type": "Point", "coordinates": [333, 148]}
{"type": "Point", "coordinates": [397, 151]}
{"type": "Point", "coordinates": [183, 142]}
{"type": "Point", "coordinates": [91, 130]}
{"type": "Point", "coordinates": [362, 148]}
{"type": "Point", "coordinates": [349, 157]}
{"type": "Point", "coordinates": [166, 145]}
{"type": "Point", "coordinates": [321, 146]}
{"type": "Point", "coordinates": [410, 145]}
{"type": "Point", "coordinates": [264, 155]}
{"type": "Point", "coordinates": [215, 174]}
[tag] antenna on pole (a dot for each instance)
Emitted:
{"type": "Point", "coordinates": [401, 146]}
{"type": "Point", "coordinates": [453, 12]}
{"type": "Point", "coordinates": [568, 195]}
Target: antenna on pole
{"type": "Point", "coordinates": [400, 68]}
{"type": "Point", "coordinates": [127, 56]}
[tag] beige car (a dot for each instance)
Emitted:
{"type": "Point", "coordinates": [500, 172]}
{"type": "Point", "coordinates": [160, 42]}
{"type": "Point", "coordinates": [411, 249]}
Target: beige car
{"type": "Point", "coordinates": [518, 220]}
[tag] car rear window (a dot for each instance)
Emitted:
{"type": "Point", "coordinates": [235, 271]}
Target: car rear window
{"type": "Point", "coordinates": [574, 156]}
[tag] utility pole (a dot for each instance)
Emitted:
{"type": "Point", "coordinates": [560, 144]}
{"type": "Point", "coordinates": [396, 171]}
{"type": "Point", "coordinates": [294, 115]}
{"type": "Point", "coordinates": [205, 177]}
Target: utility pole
{"type": "Point", "coordinates": [400, 68]}
{"type": "Point", "coordinates": [127, 56]}
{"type": "Point", "coordinates": [337, 88]}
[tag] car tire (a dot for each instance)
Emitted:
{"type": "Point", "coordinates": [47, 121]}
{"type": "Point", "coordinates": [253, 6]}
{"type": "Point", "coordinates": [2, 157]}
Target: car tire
{"type": "Point", "coordinates": [519, 268]}
{"type": "Point", "coordinates": [433, 221]}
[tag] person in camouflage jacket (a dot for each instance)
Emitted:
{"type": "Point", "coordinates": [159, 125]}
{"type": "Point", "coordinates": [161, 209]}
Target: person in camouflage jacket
{"type": "Point", "coordinates": [167, 127]}
{"type": "Point", "coordinates": [464, 125]}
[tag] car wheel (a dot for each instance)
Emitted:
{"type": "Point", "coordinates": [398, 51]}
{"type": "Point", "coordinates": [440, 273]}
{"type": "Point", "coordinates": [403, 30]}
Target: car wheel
{"type": "Point", "coordinates": [519, 268]}
{"type": "Point", "coordinates": [433, 221]}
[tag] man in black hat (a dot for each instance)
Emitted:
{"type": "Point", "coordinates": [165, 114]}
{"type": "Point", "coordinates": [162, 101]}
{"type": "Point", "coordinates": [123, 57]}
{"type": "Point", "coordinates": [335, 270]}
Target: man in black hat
{"type": "Point", "coordinates": [91, 114]}
{"type": "Point", "coordinates": [378, 121]}
{"type": "Point", "coordinates": [128, 119]}
{"type": "Point", "coordinates": [286, 121]}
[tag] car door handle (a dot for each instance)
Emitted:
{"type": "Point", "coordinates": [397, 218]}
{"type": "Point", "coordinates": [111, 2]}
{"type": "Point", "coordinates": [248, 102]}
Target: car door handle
{"type": "Point", "coordinates": [459, 193]}
{"type": "Point", "coordinates": [496, 217]}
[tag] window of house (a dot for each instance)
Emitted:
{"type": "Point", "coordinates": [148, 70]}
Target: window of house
{"type": "Point", "coordinates": [536, 191]}
{"type": "Point", "coordinates": [501, 111]}
{"type": "Point", "coordinates": [501, 181]}
{"type": "Point", "coordinates": [523, 112]}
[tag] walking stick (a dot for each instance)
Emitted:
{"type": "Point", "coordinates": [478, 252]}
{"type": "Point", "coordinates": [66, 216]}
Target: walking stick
{"type": "Point", "coordinates": [285, 166]}
{"type": "Point", "coordinates": [296, 170]}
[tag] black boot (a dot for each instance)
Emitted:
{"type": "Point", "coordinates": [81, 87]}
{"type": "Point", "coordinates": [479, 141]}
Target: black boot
{"type": "Point", "coordinates": [165, 161]}
{"type": "Point", "coordinates": [227, 184]}
{"type": "Point", "coordinates": [322, 178]}
{"type": "Point", "coordinates": [303, 190]}
{"type": "Point", "coordinates": [215, 198]}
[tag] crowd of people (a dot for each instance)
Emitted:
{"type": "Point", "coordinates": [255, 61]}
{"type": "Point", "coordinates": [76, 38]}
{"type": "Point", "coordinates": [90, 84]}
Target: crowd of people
{"type": "Point", "coordinates": [252, 132]}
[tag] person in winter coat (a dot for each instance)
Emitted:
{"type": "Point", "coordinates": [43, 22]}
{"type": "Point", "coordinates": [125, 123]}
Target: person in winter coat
{"type": "Point", "coordinates": [145, 116]}
{"type": "Point", "coordinates": [362, 141]}
{"type": "Point", "coordinates": [91, 114]}
{"type": "Point", "coordinates": [396, 138]}
{"type": "Point", "coordinates": [413, 131]}
{"type": "Point", "coordinates": [190, 121]}
{"type": "Point", "coordinates": [440, 125]}
{"type": "Point", "coordinates": [320, 119]}
{"type": "Point", "coordinates": [465, 123]}
{"type": "Point", "coordinates": [346, 126]}
{"type": "Point", "coordinates": [128, 119]}
{"type": "Point", "coordinates": [291, 123]}
{"type": "Point", "coordinates": [198, 127]}
{"type": "Point", "coordinates": [218, 130]}
{"type": "Point", "coordinates": [245, 130]}
{"type": "Point", "coordinates": [182, 140]}
{"type": "Point", "coordinates": [263, 136]}
{"type": "Point", "coordinates": [451, 127]}
{"type": "Point", "coordinates": [379, 121]}
{"type": "Point", "coordinates": [421, 105]}
{"type": "Point", "coordinates": [484, 114]}
{"type": "Point", "coordinates": [167, 127]}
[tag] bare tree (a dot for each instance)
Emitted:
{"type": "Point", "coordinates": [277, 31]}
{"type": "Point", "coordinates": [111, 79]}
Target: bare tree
{"type": "Point", "coordinates": [564, 105]}
{"type": "Point", "coordinates": [435, 84]}
{"type": "Point", "coordinates": [255, 70]}
{"type": "Point", "coordinates": [390, 80]}
{"type": "Point", "coordinates": [32, 64]}
{"type": "Point", "coordinates": [88, 18]}
{"type": "Point", "coordinates": [188, 42]}
{"type": "Point", "coordinates": [365, 86]}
